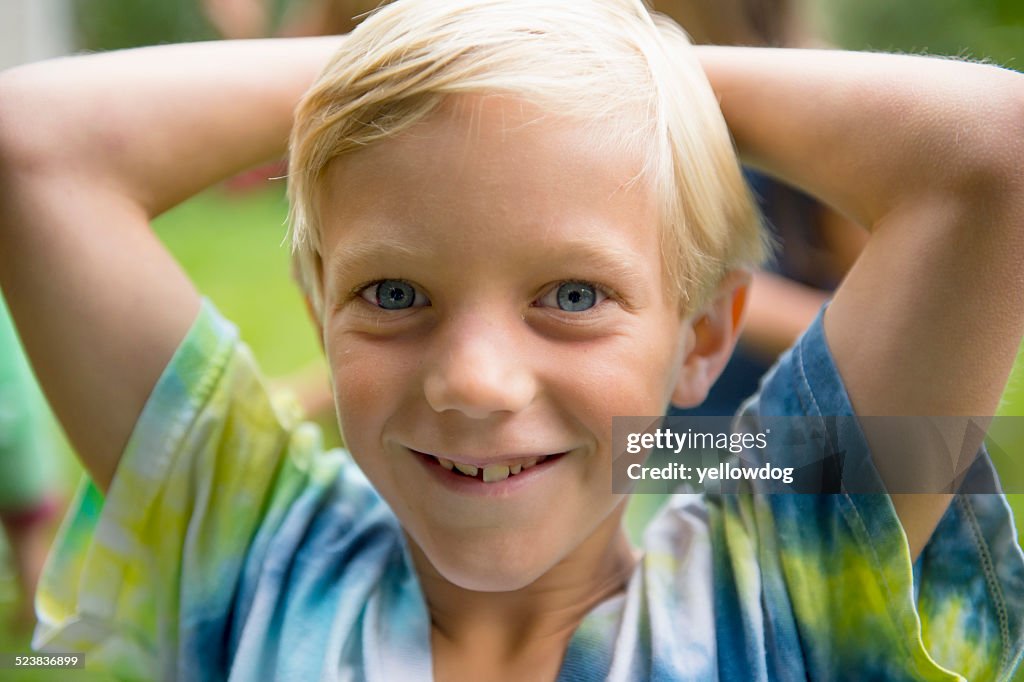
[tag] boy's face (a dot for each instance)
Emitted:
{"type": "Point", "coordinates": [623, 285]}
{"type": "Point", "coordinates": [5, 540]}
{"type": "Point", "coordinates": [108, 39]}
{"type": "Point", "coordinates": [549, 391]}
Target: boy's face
{"type": "Point", "coordinates": [494, 294]}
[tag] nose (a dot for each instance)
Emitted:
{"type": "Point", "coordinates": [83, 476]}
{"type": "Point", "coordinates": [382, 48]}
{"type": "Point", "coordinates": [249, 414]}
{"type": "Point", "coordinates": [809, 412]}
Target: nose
{"type": "Point", "coordinates": [479, 369]}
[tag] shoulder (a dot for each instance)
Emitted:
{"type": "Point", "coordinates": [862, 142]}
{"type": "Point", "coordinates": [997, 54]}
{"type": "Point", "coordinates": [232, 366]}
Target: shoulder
{"type": "Point", "coordinates": [221, 495]}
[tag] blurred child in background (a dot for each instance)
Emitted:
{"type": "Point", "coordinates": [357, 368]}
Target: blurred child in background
{"type": "Point", "coordinates": [29, 492]}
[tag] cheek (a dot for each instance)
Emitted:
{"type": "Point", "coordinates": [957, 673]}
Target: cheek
{"type": "Point", "coordinates": [631, 375]}
{"type": "Point", "coordinates": [369, 381]}
{"type": "Point", "coordinates": [636, 376]}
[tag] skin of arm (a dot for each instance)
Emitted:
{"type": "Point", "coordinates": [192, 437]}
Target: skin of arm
{"type": "Point", "coordinates": [924, 153]}
{"type": "Point", "coordinates": [92, 148]}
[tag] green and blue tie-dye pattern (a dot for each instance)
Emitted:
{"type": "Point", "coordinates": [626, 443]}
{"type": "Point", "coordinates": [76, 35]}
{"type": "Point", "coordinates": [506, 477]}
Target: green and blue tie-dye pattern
{"type": "Point", "coordinates": [232, 547]}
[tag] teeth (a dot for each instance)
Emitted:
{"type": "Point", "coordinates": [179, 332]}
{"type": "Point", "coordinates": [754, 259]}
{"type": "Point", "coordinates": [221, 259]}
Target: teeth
{"type": "Point", "coordinates": [495, 473]}
{"type": "Point", "coordinates": [467, 469]}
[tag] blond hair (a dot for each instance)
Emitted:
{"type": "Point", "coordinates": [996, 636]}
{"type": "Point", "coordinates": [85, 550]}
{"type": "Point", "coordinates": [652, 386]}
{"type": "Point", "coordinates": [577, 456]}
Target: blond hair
{"type": "Point", "coordinates": [605, 63]}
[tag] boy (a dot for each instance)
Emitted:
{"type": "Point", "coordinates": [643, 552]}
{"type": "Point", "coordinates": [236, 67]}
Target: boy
{"type": "Point", "coordinates": [513, 221]}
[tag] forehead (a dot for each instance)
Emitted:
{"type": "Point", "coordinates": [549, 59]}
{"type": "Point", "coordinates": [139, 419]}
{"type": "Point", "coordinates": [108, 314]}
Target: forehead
{"type": "Point", "coordinates": [494, 167]}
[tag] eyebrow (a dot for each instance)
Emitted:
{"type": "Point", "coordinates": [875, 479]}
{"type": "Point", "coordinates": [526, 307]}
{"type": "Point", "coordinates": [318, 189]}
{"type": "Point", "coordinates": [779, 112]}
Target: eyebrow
{"type": "Point", "coordinates": [367, 254]}
{"type": "Point", "coordinates": [613, 264]}
{"type": "Point", "coordinates": [586, 259]}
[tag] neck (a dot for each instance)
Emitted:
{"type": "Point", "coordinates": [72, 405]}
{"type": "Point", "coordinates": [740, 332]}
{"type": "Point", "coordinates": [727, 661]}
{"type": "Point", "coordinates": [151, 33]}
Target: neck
{"type": "Point", "coordinates": [544, 613]}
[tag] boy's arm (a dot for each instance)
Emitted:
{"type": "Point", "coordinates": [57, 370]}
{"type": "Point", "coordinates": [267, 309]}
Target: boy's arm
{"type": "Point", "coordinates": [91, 148]}
{"type": "Point", "coordinates": [926, 154]}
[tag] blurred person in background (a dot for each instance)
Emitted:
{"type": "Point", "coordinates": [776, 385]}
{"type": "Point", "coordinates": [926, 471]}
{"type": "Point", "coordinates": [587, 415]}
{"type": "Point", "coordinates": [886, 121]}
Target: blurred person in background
{"type": "Point", "coordinates": [29, 492]}
{"type": "Point", "coordinates": [236, 19]}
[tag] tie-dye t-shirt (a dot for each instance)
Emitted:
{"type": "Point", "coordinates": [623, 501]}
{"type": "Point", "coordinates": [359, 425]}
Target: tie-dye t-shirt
{"type": "Point", "coordinates": [231, 546]}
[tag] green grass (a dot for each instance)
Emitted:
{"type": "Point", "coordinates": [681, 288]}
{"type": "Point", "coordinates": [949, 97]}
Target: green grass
{"type": "Point", "coordinates": [233, 249]}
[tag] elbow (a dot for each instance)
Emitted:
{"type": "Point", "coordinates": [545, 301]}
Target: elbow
{"type": "Point", "coordinates": [17, 137]}
{"type": "Point", "coordinates": [30, 128]}
{"type": "Point", "coordinates": [995, 164]}
{"type": "Point", "coordinates": [993, 182]}
{"type": "Point", "coordinates": [11, 99]}
{"type": "Point", "coordinates": [1013, 158]}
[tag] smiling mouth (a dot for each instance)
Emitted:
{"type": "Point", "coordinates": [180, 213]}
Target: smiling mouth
{"type": "Point", "coordinates": [492, 473]}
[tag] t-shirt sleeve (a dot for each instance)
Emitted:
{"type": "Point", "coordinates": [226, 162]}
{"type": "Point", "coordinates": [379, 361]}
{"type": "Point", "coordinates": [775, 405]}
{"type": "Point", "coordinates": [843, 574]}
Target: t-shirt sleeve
{"type": "Point", "coordinates": [835, 569]}
{"type": "Point", "coordinates": [212, 462]}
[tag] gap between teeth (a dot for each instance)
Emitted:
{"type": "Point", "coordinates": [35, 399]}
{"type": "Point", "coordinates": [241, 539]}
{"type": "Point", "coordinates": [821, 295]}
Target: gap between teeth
{"type": "Point", "coordinates": [493, 473]}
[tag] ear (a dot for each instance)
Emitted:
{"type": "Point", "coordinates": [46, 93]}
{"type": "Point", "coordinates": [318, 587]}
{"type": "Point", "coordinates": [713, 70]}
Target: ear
{"type": "Point", "coordinates": [715, 331]}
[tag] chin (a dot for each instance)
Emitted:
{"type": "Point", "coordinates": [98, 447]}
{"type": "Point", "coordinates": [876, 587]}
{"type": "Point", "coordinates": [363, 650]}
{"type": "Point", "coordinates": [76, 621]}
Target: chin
{"type": "Point", "coordinates": [493, 566]}
{"type": "Point", "coordinates": [487, 579]}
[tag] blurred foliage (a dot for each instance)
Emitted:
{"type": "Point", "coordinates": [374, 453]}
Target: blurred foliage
{"type": "Point", "coordinates": [978, 29]}
{"type": "Point", "coordinates": [114, 24]}
{"type": "Point", "coordinates": [232, 244]}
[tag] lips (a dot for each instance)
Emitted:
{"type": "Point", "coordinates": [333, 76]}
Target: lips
{"type": "Point", "coordinates": [491, 472]}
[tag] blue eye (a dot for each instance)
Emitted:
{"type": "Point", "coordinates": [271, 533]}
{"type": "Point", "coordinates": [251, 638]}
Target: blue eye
{"type": "Point", "coordinates": [394, 294]}
{"type": "Point", "coordinates": [572, 297]}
